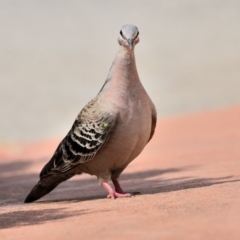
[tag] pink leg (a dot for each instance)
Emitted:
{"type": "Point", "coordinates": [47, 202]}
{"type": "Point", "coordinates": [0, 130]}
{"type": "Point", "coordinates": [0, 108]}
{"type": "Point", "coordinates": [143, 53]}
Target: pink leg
{"type": "Point", "coordinates": [114, 193]}
{"type": "Point", "coordinates": [117, 186]}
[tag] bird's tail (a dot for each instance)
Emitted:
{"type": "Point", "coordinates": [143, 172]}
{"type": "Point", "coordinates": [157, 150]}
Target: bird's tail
{"type": "Point", "coordinates": [39, 191]}
{"type": "Point", "coordinates": [47, 184]}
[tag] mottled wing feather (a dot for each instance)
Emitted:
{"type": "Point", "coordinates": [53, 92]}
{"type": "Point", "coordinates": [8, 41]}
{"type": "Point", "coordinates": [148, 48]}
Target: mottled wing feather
{"type": "Point", "coordinates": [81, 144]}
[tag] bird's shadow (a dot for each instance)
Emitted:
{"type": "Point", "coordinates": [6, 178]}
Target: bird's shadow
{"type": "Point", "coordinates": [16, 181]}
{"type": "Point", "coordinates": [32, 217]}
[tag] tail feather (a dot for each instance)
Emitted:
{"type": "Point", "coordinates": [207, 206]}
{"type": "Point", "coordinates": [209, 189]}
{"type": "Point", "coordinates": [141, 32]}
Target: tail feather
{"type": "Point", "coordinates": [50, 177]}
{"type": "Point", "coordinates": [39, 191]}
{"type": "Point", "coordinates": [47, 184]}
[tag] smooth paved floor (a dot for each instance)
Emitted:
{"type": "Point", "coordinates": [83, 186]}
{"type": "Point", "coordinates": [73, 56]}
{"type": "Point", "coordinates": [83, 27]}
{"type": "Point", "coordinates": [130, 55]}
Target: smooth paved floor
{"type": "Point", "coordinates": [189, 177]}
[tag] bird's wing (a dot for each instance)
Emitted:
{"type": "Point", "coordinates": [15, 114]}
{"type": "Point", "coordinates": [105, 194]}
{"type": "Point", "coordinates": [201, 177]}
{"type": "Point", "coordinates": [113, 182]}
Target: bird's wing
{"type": "Point", "coordinates": [154, 122]}
{"type": "Point", "coordinates": [81, 144]}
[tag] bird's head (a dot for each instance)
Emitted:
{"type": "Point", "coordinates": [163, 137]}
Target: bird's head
{"type": "Point", "coordinates": [128, 36]}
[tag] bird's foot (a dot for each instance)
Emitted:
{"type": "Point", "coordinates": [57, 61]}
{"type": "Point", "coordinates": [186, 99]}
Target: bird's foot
{"type": "Point", "coordinates": [115, 194]}
{"type": "Point", "coordinates": [118, 188]}
{"type": "Point", "coordinates": [118, 192]}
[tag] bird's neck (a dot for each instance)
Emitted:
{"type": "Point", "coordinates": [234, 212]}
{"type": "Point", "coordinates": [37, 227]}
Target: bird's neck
{"type": "Point", "coordinates": [123, 76]}
{"type": "Point", "coordinates": [124, 66]}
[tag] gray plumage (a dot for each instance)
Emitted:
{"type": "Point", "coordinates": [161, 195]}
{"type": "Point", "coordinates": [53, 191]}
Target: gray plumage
{"type": "Point", "coordinates": [110, 131]}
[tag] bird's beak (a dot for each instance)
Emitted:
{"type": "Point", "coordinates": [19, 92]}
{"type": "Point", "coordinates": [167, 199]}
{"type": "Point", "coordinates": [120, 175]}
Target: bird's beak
{"type": "Point", "coordinates": [130, 42]}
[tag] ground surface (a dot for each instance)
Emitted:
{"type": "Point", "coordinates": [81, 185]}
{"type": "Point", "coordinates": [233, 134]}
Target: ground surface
{"type": "Point", "coordinates": [189, 177]}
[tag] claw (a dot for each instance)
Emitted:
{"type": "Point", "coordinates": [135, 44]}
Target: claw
{"type": "Point", "coordinates": [118, 192]}
{"type": "Point", "coordinates": [119, 195]}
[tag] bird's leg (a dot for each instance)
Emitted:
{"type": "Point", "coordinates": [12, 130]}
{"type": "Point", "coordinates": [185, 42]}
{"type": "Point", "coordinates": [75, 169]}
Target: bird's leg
{"type": "Point", "coordinates": [113, 193]}
{"type": "Point", "coordinates": [117, 186]}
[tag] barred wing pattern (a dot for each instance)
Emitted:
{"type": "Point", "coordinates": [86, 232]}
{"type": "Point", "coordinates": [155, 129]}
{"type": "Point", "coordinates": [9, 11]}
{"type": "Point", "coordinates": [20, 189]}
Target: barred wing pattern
{"type": "Point", "coordinates": [81, 144]}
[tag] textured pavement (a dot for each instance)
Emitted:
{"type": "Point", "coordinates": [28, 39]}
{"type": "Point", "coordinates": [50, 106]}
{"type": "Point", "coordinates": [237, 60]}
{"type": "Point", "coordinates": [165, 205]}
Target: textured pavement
{"type": "Point", "coordinates": [189, 177]}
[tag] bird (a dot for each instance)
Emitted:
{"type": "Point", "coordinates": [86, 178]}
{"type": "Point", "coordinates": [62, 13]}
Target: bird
{"type": "Point", "coordinates": [109, 132]}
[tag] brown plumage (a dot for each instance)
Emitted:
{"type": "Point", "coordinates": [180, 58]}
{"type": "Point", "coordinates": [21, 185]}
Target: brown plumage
{"type": "Point", "coordinates": [109, 132]}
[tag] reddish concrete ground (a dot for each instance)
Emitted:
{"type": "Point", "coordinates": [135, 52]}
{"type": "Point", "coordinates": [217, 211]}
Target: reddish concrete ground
{"type": "Point", "coordinates": [189, 177]}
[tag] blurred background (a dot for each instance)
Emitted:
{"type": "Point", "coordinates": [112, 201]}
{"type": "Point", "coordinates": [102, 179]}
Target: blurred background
{"type": "Point", "coordinates": [55, 56]}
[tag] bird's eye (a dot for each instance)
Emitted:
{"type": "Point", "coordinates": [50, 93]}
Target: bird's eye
{"type": "Point", "coordinates": [137, 35]}
{"type": "Point", "coordinates": [121, 33]}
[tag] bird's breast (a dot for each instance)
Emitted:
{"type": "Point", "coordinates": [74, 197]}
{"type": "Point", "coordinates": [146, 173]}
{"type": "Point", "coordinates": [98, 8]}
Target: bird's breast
{"type": "Point", "coordinates": [129, 135]}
